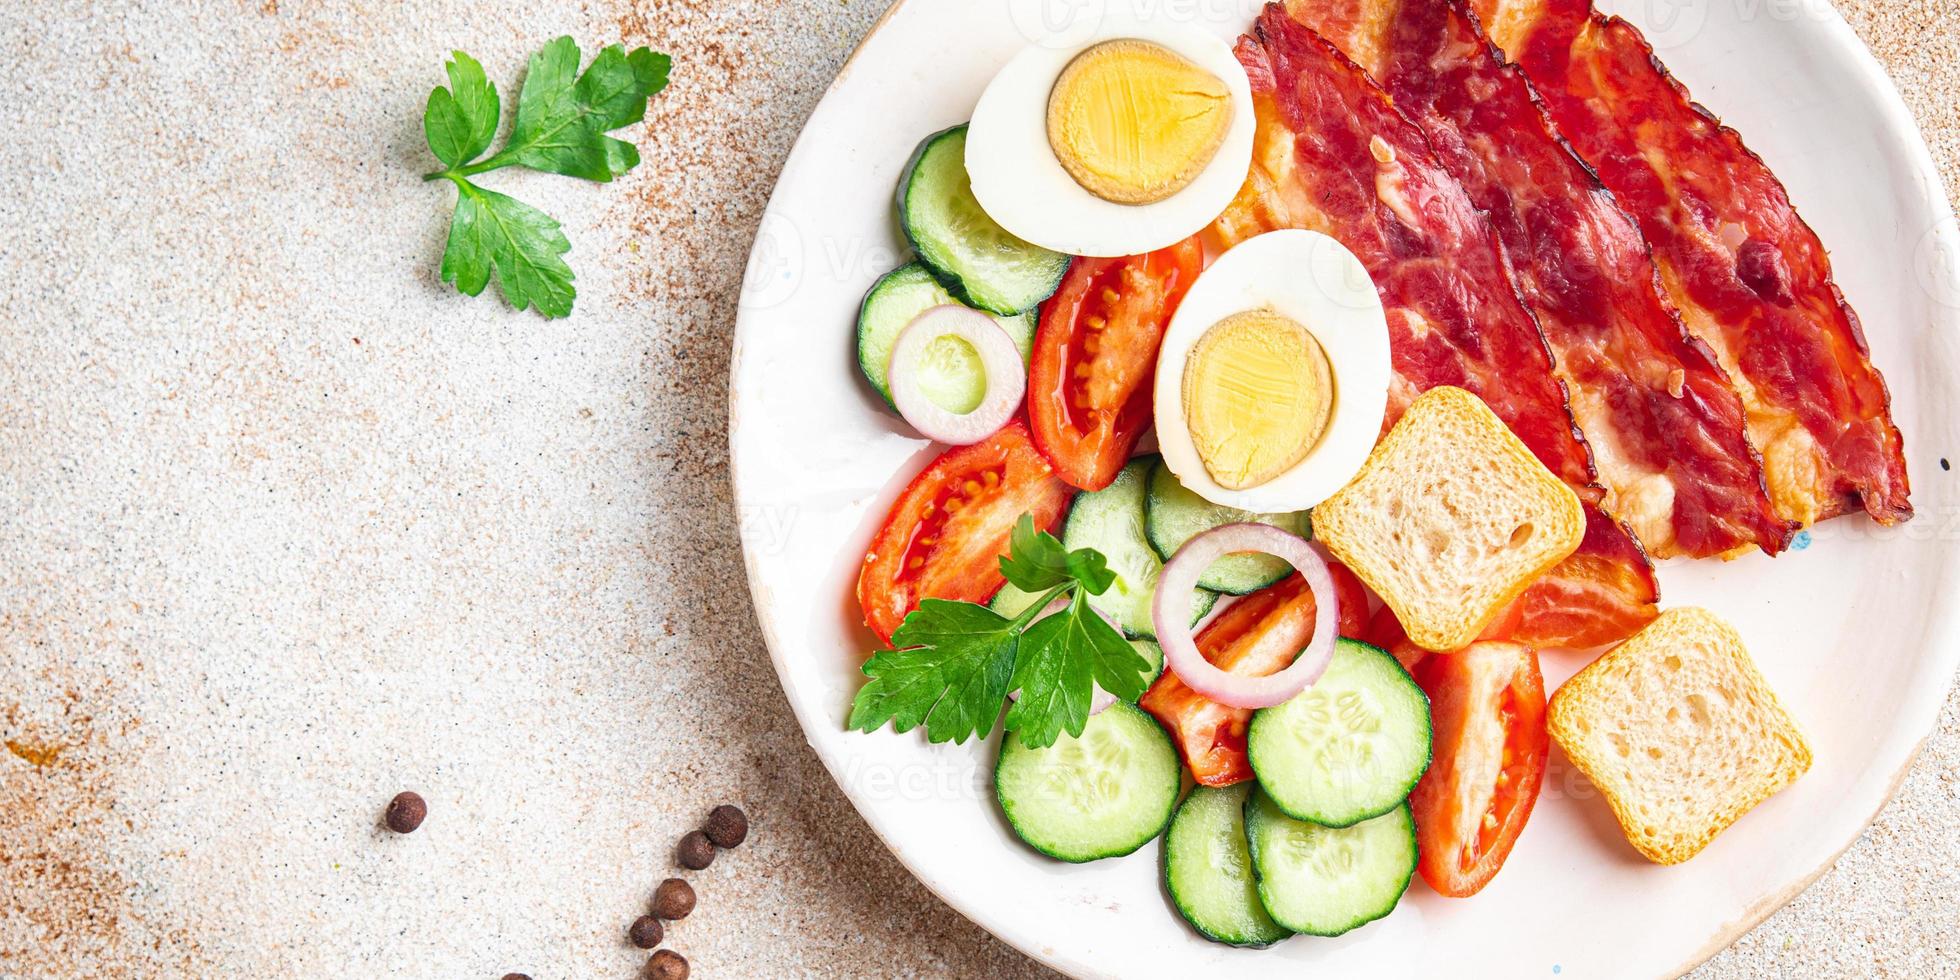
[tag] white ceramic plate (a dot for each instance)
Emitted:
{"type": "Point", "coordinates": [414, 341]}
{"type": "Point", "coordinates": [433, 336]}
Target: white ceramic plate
{"type": "Point", "coordinates": [1858, 633]}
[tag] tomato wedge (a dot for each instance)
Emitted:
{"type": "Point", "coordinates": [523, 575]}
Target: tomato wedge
{"type": "Point", "coordinates": [1386, 631]}
{"type": "Point", "coordinates": [1255, 636]}
{"type": "Point", "coordinates": [1487, 709]}
{"type": "Point", "coordinates": [1095, 357]}
{"type": "Point", "coordinates": [945, 534]}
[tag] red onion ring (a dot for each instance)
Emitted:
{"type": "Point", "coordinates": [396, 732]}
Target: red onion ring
{"type": "Point", "coordinates": [1006, 375]}
{"type": "Point", "coordinates": [1170, 610]}
{"type": "Point", "coordinates": [1100, 699]}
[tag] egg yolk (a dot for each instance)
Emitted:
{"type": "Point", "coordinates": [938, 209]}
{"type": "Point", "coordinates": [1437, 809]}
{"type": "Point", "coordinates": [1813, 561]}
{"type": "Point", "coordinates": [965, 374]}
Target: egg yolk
{"type": "Point", "coordinates": [1258, 394]}
{"type": "Point", "coordinates": [1135, 122]}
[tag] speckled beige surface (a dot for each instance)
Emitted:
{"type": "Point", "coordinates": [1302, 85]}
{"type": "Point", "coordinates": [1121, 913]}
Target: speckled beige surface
{"type": "Point", "coordinates": [286, 526]}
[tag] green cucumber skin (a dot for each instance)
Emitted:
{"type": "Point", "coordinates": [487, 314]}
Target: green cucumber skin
{"type": "Point", "coordinates": [1252, 837]}
{"type": "Point", "coordinates": [1275, 776]}
{"type": "Point", "coordinates": [1155, 656]}
{"type": "Point", "coordinates": [1258, 937]}
{"type": "Point", "coordinates": [1077, 532]}
{"type": "Point", "coordinates": [1010, 748]}
{"type": "Point", "coordinates": [946, 279]}
{"type": "Point", "coordinates": [920, 239]}
{"type": "Point", "coordinates": [871, 340]}
{"type": "Point", "coordinates": [1159, 534]}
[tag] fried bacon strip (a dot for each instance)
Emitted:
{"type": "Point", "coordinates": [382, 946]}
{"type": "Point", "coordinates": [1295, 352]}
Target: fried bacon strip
{"type": "Point", "coordinates": [1333, 155]}
{"type": "Point", "coordinates": [1665, 427]}
{"type": "Point", "coordinates": [1747, 274]}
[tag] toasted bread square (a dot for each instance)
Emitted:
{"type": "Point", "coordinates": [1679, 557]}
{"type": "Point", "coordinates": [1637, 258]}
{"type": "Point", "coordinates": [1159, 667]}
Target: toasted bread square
{"type": "Point", "coordinates": [1680, 733]}
{"type": "Point", "coordinates": [1450, 519]}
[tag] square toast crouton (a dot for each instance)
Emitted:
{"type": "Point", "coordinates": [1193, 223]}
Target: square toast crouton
{"type": "Point", "coordinates": [1450, 519]}
{"type": "Point", "coordinates": [1680, 733]}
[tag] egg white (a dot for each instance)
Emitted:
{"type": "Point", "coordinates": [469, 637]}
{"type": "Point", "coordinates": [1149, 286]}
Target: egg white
{"type": "Point", "coordinates": [1316, 282]}
{"type": "Point", "coordinates": [1023, 187]}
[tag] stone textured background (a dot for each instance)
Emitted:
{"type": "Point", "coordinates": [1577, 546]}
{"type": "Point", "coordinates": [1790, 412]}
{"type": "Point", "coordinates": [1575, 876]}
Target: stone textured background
{"type": "Point", "coordinates": [287, 526]}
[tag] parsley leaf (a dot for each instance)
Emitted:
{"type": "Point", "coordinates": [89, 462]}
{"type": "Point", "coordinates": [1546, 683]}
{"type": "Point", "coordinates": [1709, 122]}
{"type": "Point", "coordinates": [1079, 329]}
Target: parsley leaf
{"type": "Point", "coordinates": [521, 243]}
{"type": "Point", "coordinates": [563, 117]}
{"type": "Point", "coordinates": [560, 127]}
{"type": "Point", "coordinates": [1037, 562]}
{"type": "Point", "coordinates": [949, 672]}
{"type": "Point", "coordinates": [461, 120]}
{"type": "Point", "coordinates": [953, 663]}
{"type": "Point", "coordinates": [1061, 660]}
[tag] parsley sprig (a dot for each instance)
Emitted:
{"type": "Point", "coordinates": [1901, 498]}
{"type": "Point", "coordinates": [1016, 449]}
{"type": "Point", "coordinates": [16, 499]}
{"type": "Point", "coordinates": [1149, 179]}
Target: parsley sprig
{"type": "Point", "coordinates": [953, 663]}
{"type": "Point", "coordinates": [560, 127]}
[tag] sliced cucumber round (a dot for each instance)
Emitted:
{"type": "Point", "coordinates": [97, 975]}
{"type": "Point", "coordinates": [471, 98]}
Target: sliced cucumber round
{"type": "Point", "coordinates": [1325, 881]}
{"type": "Point", "coordinates": [1153, 655]}
{"type": "Point", "coordinates": [1102, 795]}
{"type": "Point", "coordinates": [1208, 870]}
{"type": "Point", "coordinates": [1350, 747]}
{"type": "Point", "coordinates": [1174, 515]}
{"type": "Point", "coordinates": [1110, 520]}
{"type": "Point", "coordinates": [953, 378]}
{"type": "Point", "coordinates": [1010, 602]}
{"type": "Point", "coordinates": [977, 259]}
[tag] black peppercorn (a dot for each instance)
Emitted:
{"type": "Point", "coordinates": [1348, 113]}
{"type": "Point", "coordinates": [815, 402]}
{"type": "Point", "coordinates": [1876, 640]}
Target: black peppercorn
{"type": "Point", "coordinates": [674, 899]}
{"type": "Point", "coordinates": [646, 932]}
{"type": "Point", "coordinates": [406, 812]}
{"type": "Point", "coordinates": [666, 965]}
{"type": "Point", "coordinates": [695, 851]}
{"type": "Point", "coordinates": [727, 826]}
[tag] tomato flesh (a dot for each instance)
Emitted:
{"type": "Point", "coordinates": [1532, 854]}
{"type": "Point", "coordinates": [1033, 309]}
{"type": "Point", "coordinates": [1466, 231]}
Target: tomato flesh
{"type": "Point", "coordinates": [1095, 358]}
{"type": "Point", "coordinates": [945, 534]}
{"type": "Point", "coordinates": [1385, 631]}
{"type": "Point", "coordinates": [1487, 710]}
{"type": "Point", "coordinates": [1257, 635]}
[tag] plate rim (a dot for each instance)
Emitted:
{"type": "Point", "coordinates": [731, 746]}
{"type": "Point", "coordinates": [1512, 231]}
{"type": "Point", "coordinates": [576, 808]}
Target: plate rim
{"type": "Point", "coordinates": [1833, 29]}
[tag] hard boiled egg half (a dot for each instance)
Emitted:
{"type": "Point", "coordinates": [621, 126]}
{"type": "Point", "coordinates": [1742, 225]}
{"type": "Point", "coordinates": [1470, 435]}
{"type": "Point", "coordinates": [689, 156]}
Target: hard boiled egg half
{"type": "Point", "coordinates": [1274, 374]}
{"type": "Point", "coordinates": [1120, 143]}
